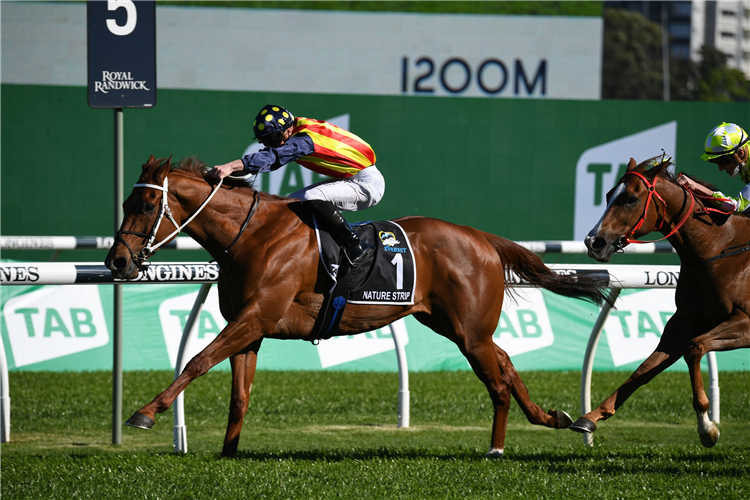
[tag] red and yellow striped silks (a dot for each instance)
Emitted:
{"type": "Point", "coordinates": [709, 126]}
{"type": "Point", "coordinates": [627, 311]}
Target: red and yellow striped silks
{"type": "Point", "coordinates": [338, 152]}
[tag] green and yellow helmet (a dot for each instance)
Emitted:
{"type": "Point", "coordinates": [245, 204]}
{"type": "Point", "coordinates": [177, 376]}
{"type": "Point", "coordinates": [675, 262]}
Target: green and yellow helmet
{"type": "Point", "coordinates": [724, 140]}
{"type": "Point", "coordinates": [272, 119]}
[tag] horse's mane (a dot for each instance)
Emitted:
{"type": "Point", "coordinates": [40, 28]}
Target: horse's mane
{"type": "Point", "coordinates": [191, 165]}
{"type": "Point", "coordinates": [195, 167]}
{"type": "Point", "coordinates": [669, 176]}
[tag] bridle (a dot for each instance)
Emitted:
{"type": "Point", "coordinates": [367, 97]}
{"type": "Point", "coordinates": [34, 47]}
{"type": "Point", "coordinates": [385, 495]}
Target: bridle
{"type": "Point", "coordinates": [141, 258]}
{"type": "Point", "coordinates": [628, 238]}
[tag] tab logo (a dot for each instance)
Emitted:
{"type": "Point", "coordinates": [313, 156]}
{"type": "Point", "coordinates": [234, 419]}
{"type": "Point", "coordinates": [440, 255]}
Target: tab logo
{"type": "Point", "coordinates": [345, 349]}
{"type": "Point", "coordinates": [524, 326]}
{"type": "Point", "coordinates": [173, 315]}
{"type": "Point", "coordinates": [634, 329]}
{"type": "Point", "coordinates": [600, 167]}
{"type": "Point", "coordinates": [53, 322]}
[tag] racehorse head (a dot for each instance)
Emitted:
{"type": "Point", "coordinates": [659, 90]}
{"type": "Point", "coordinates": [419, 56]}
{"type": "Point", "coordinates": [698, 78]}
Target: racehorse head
{"type": "Point", "coordinates": [634, 208]}
{"type": "Point", "coordinates": [143, 228]}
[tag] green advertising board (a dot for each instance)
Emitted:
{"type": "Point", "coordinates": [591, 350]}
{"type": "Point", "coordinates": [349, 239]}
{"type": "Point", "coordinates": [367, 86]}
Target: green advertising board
{"type": "Point", "coordinates": [505, 166]}
{"type": "Point", "coordinates": [66, 328]}
{"type": "Point", "coordinates": [516, 168]}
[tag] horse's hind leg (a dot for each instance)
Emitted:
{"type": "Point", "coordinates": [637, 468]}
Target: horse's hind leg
{"type": "Point", "coordinates": [243, 373]}
{"type": "Point", "coordinates": [481, 357]}
{"type": "Point", "coordinates": [732, 334]}
{"type": "Point", "coordinates": [534, 413]}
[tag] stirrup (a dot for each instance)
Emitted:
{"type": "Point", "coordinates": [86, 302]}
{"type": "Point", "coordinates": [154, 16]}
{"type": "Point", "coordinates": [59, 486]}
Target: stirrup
{"type": "Point", "coordinates": [355, 254]}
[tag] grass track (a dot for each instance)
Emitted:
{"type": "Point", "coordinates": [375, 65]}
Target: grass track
{"type": "Point", "coordinates": [333, 435]}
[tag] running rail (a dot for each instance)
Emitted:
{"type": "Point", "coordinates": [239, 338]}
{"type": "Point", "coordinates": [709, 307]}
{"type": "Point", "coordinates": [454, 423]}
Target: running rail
{"type": "Point", "coordinates": [186, 243]}
{"type": "Point", "coordinates": [48, 273]}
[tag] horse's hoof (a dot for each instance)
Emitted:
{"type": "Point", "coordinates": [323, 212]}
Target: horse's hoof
{"type": "Point", "coordinates": [709, 437]}
{"type": "Point", "coordinates": [494, 453]}
{"type": "Point", "coordinates": [140, 420]}
{"type": "Point", "coordinates": [583, 425]}
{"type": "Point", "coordinates": [562, 418]}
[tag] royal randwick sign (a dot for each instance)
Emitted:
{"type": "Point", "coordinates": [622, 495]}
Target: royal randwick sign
{"type": "Point", "coordinates": [121, 54]}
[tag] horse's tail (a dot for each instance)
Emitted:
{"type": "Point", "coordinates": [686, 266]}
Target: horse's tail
{"type": "Point", "coordinates": [530, 268]}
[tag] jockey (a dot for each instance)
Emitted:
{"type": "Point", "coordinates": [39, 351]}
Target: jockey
{"type": "Point", "coordinates": [727, 146]}
{"type": "Point", "coordinates": [324, 148]}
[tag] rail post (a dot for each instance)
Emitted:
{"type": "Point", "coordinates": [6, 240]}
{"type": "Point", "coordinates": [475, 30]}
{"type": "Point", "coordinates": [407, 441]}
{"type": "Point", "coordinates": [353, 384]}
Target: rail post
{"type": "Point", "coordinates": [4, 397]}
{"type": "Point", "coordinates": [180, 430]}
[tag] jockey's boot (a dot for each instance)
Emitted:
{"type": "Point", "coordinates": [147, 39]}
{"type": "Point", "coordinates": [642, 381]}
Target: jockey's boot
{"type": "Point", "coordinates": [342, 232]}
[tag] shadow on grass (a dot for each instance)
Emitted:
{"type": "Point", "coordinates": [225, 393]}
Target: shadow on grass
{"type": "Point", "coordinates": [688, 461]}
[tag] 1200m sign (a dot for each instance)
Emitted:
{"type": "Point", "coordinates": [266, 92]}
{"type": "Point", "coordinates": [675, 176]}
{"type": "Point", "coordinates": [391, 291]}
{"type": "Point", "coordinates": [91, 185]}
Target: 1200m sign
{"type": "Point", "coordinates": [121, 54]}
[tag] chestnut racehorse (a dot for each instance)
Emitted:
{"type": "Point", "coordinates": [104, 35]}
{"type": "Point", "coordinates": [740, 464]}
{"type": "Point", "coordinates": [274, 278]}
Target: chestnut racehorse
{"type": "Point", "coordinates": [711, 295]}
{"type": "Point", "coordinates": [268, 277]}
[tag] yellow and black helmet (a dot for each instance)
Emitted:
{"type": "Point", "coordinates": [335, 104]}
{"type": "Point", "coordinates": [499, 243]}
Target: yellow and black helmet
{"type": "Point", "coordinates": [272, 120]}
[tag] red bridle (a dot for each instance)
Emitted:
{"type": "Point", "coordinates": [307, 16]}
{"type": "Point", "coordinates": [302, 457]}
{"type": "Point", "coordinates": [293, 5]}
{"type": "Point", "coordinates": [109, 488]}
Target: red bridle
{"type": "Point", "coordinates": [651, 187]}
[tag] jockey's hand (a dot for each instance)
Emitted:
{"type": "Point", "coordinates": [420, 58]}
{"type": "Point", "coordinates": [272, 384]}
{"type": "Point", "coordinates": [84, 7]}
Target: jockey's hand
{"type": "Point", "coordinates": [221, 171]}
{"type": "Point", "coordinates": [693, 186]}
{"type": "Point", "coordinates": [685, 182]}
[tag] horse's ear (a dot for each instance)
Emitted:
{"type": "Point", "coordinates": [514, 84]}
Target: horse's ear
{"type": "Point", "coordinates": [150, 161]}
{"type": "Point", "coordinates": [631, 165]}
{"type": "Point", "coordinates": [657, 169]}
{"type": "Point", "coordinates": [161, 172]}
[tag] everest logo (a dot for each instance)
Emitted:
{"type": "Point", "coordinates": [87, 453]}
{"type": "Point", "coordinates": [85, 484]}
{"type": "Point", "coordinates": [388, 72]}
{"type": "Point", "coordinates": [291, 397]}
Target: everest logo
{"type": "Point", "coordinates": [53, 322]}
{"type": "Point", "coordinates": [524, 326]}
{"type": "Point", "coordinates": [634, 329]}
{"type": "Point", "coordinates": [600, 167]}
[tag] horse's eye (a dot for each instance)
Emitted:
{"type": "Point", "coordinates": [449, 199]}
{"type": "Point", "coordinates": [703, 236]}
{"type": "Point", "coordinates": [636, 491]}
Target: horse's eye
{"type": "Point", "coordinates": [148, 208]}
{"type": "Point", "coordinates": [632, 200]}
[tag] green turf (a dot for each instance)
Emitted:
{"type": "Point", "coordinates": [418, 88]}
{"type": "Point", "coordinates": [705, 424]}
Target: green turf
{"type": "Point", "coordinates": [334, 435]}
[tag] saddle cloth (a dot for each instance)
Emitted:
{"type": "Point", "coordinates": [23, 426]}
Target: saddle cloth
{"type": "Point", "coordinates": [385, 276]}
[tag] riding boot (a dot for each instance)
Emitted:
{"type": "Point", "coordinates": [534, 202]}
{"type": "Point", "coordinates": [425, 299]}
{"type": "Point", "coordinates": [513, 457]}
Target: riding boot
{"type": "Point", "coordinates": [342, 232]}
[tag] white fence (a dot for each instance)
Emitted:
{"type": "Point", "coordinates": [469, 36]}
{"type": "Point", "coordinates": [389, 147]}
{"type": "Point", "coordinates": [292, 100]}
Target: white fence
{"type": "Point", "coordinates": [619, 277]}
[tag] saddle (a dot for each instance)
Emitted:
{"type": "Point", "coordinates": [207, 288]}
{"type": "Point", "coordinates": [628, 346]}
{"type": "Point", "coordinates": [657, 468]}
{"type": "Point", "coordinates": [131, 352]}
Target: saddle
{"type": "Point", "coordinates": [385, 276]}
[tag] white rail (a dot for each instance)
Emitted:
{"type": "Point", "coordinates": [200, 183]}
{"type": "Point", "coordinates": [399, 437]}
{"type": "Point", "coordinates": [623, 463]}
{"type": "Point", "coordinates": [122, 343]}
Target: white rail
{"type": "Point", "coordinates": [187, 243]}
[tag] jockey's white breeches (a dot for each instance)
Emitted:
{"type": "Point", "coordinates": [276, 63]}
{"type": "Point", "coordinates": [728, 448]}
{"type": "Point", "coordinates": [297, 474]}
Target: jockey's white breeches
{"type": "Point", "coordinates": [360, 191]}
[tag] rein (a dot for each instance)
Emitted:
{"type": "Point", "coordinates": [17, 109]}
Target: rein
{"type": "Point", "coordinates": [651, 187]}
{"type": "Point", "coordinates": [728, 252]}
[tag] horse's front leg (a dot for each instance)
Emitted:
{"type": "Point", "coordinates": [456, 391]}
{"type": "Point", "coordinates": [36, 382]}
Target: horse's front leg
{"type": "Point", "coordinates": [732, 334]}
{"type": "Point", "coordinates": [243, 373]}
{"type": "Point", "coordinates": [235, 337]}
{"type": "Point", "coordinates": [671, 347]}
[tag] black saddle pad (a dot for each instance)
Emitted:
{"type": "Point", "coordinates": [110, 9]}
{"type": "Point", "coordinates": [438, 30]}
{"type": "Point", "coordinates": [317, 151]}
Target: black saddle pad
{"type": "Point", "coordinates": [386, 275]}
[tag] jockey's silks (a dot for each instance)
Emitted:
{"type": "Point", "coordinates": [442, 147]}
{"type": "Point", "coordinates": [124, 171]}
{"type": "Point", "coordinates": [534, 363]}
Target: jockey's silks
{"type": "Point", "coordinates": [338, 152]}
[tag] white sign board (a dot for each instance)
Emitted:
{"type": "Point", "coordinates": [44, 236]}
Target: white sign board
{"type": "Point", "coordinates": [222, 48]}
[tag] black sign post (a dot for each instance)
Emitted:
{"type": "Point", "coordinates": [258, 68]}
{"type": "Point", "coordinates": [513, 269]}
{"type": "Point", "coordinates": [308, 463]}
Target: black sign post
{"type": "Point", "coordinates": [121, 74]}
{"type": "Point", "coordinates": [121, 54]}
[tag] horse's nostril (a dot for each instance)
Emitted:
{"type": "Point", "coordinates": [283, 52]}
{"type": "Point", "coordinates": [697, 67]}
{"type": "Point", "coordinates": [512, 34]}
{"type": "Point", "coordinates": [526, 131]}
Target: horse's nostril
{"type": "Point", "coordinates": [598, 243]}
{"type": "Point", "coordinates": [120, 263]}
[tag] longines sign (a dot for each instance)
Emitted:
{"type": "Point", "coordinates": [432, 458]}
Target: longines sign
{"type": "Point", "coordinates": [121, 53]}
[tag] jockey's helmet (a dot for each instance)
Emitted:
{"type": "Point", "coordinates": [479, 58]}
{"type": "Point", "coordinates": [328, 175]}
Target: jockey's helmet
{"type": "Point", "coordinates": [270, 123]}
{"type": "Point", "coordinates": [726, 139]}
